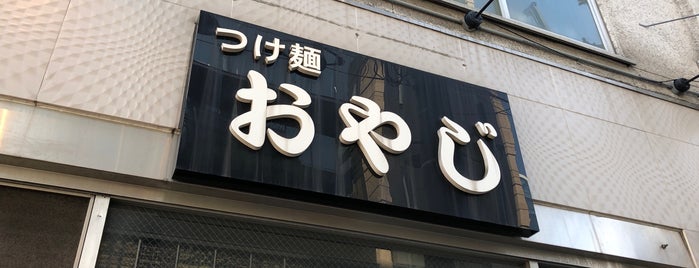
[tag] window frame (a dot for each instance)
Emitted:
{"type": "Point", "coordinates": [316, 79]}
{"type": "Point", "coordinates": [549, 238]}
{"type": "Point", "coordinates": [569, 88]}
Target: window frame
{"type": "Point", "coordinates": [504, 18]}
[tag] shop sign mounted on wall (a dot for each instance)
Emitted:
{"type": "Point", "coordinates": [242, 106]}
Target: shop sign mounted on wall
{"type": "Point", "coordinates": [294, 118]}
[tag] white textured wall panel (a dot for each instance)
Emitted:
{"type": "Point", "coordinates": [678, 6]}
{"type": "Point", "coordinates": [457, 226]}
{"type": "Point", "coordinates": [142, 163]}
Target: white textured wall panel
{"type": "Point", "coordinates": [382, 26]}
{"type": "Point", "coordinates": [411, 56]}
{"type": "Point", "coordinates": [669, 120]}
{"type": "Point", "coordinates": [525, 78]}
{"type": "Point", "coordinates": [582, 95]}
{"type": "Point", "coordinates": [584, 162]}
{"type": "Point", "coordinates": [436, 42]}
{"type": "Point", "coordinates": [678, 168]}
{"type": "Point", "coordinates": [554, 172]}
{"type": "Point", "coordinates": [330, 23]}
{"type": "Point", "coordinates": [304, 25]}
{"type": "Point", "coordinates": [308, 7]}
{"type": "Point", "coordinates": [478, 67]}
{"type": "Point", "coordinates": [221, 7]}
{"type": "Point", "coordinates": [626, 110]}
{"type": "Point", "coordinates": [127, 59]}
{"type": "Point", "coordinates": [338, 13]}
{"type": "Point", "coordinates": [618, 167]}
{"type": "Point", "coordinates": [508, 73]}
{"type": "Point", "coordinates": [393, 40]}
{"type": "Point", "coordinates": [28, 32]}
{"type": "Point", "coordinates": [257, 13]}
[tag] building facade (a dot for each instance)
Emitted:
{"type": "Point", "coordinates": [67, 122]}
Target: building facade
{"type": "Point", "coordinates": [127, 133]}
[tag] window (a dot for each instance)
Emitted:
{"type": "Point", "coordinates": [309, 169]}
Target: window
{"type": "Point", "coordinates": [137, 235]}
{"type": "Point", "coordinates": [574, 19]}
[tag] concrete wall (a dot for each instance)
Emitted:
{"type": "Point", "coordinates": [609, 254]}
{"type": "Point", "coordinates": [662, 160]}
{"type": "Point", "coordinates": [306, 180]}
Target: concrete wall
{"type": "Point", "coordinates": [666, 51]}
{"type": "Point", "coordinates": [99, 84]}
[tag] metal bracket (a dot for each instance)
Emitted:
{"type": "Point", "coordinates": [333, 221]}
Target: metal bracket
{"type": "Point", "coordinates": [663, 22]}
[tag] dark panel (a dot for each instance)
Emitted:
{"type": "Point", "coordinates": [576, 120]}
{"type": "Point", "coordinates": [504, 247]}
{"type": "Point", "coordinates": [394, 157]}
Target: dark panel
{"type": "Point", "coordinates": [331, 172]}
{"type": "Point", "coordinates": [142, 236]}
{"type": "Point", "coordinates": [39, 228]}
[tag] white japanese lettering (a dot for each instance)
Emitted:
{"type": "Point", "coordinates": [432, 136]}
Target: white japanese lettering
{"type": "Point", "coordinates": [225, 47]}
{"type": "Point", "coordinates": [453, 132]}
{"type": "Point", "coordinates": [258, 95]}
{"type": "Point", "coordinates": [363, 132]}
{"type": "Point", "coordinates": [273, 46]}
{"type": "Point", "coordinates": [305, 59]}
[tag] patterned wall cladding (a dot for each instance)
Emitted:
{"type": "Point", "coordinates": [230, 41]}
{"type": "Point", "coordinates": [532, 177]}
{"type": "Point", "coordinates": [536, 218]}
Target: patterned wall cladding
{"type": "Point", "coordinates": [29, 30]}
{"type": "Point", "coordinates": [126, 59]}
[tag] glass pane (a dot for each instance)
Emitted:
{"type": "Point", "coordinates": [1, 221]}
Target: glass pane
{"type": "Point", "coordinates": [571, 18]}
{"type": "Point", "coordinates": [494, 7]}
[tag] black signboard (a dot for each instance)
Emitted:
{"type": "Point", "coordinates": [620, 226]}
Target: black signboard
{"type": "Point", "coordinates": [335, 172]}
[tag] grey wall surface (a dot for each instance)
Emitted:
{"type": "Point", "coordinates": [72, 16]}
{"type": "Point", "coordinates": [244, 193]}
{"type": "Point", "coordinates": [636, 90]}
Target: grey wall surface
{"type": "Point", "coordinates": [669, 49]}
